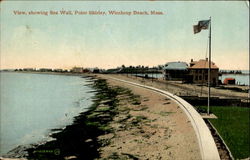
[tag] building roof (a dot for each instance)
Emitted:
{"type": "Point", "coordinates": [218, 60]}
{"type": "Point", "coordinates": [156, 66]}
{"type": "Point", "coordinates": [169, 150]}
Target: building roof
{"type": "Point", "coordinates": [203, 64]}
{"type": "Point", "coordinates": [176, 66]}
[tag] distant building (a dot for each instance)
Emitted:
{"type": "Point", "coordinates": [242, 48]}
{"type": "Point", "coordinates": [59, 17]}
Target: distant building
{"type": "Point", "coordinates": [96, 70]}
{"type": "Point", "coordinates": [85, 70]}
{"type": "Point", "coordinates": [58, 70]}
{"type": "Point", "coordinates": [175, 71]}
{"type": "Point", "coordinates": [198, 71]}
{"type": "Point", "coordinates": [77, 70]}
{"type": "Point", "coordinates": [18, 70]}
{"type": "Point", "coordinates": [7, 70]}
{"type": "Point", "coordinates": [45, 70]}
{"type": "Point", "coordinates": [29, 69]}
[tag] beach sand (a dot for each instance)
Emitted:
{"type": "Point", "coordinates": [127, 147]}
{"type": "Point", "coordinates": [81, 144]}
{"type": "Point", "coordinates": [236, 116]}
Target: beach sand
{"type": "Point", "coordinates": [155, 128]}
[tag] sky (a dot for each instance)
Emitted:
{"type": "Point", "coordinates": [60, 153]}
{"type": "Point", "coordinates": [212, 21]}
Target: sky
{"type": "Point", "coordinates": [108, 41]}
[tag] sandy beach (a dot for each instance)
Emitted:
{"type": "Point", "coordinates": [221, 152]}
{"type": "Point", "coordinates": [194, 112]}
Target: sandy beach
{"type": "Point", "coordinates": [156, 128]}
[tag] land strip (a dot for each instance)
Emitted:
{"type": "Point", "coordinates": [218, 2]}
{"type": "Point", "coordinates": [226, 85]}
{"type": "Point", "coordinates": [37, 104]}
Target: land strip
{"type": "Point", "coordinates": [181, 89]}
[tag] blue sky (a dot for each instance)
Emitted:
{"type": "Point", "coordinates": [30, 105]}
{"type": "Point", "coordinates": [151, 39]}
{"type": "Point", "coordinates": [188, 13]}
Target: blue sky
{"type": "Point", "coordinates": [64, 41]}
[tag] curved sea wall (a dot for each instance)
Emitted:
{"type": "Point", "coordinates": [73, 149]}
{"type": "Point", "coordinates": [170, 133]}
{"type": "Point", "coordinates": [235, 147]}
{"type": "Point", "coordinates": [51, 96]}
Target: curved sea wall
{"type": "Point", "coordinates": [207, 145]}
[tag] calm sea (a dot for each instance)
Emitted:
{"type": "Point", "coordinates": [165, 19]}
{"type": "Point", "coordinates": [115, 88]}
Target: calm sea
{"type": "Point", "coordinates": [241, 79]}
{"type": "Point", "coordinates": [32, 104]}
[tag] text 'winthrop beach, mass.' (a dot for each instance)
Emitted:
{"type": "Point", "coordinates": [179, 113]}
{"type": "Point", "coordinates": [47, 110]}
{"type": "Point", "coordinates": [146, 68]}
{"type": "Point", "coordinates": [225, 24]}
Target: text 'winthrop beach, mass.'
{"type": "Point", "coordinates": [135, 13]}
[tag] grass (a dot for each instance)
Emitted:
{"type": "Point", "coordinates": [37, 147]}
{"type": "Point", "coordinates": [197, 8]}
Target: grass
{"type": "Point", "coordinates": [233, 124]}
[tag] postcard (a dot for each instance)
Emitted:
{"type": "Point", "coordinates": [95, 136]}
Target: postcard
{"type": "Point", "coordinates": [124, 79]}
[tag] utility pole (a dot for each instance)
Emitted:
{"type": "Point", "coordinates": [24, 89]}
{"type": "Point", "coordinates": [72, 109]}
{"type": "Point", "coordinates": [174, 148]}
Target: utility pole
{"type": "Point", "coordinates": [209, 69]}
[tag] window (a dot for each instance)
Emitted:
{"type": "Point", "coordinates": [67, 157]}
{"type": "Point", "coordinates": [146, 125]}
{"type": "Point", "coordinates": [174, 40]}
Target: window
{"type": "Point", "coordinates": [206, 77]}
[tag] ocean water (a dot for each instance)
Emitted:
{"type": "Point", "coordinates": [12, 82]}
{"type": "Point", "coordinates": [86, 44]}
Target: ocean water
{"type": "Point", "coordinates": [241, 79]}
{"type": "Point", "coordinates": [33, 104]}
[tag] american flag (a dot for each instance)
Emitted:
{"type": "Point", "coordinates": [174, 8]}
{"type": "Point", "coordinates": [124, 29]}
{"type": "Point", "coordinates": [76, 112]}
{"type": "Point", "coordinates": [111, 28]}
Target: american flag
{"type": "Point", "coordinates": [201, 25]}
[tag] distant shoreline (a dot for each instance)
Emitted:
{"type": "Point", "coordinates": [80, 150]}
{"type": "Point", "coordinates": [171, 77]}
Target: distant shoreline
{"type": "Point", "coordinates": [50, 73]}
{"type": "Point", "coordinates": [176, 84]}
{"type": "Point", "coordinates": [245, 74]}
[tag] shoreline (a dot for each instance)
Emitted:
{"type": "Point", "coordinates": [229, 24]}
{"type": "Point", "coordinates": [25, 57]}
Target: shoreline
{"type": "Point", "coordinates": [50, 73]}
{"type": "Point", "coordinates": [80, 139]}
{"type": "Point", "coordinates": [19, 150]}
{"type": "Point", "coordinates": [175, 87]}
{"type": "Point", "coordinates": [129, 75]}
{"type": "Point", "coordinates": [121, 114]}
{"type": "Point", "coordinates": [100, 122]}
{"type": "Point", "coordinates": [80, 135]}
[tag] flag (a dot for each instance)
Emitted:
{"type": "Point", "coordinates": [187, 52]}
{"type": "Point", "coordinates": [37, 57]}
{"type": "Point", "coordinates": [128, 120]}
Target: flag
{"type": "Point", "coordinates": [201, 25]}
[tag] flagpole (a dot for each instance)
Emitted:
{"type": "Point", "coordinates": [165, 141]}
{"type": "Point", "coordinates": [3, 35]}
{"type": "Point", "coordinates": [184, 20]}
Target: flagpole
{"type": "Point", "coordinates": [209, 69]}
